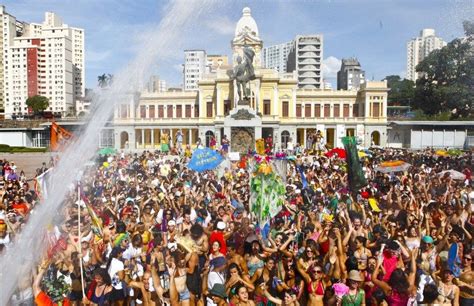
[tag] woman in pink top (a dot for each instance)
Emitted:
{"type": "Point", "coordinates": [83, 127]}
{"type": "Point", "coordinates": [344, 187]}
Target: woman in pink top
{"type": "Point", "coordinates": [399, 287]}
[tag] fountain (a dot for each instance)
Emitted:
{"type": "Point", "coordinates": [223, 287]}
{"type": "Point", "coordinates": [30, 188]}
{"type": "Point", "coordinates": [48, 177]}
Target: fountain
{"type": "Point", "coordinates": [24, 254]}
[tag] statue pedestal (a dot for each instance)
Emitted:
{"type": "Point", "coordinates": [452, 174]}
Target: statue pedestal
{"type": "Point", "coordinates": [242, 127]}
{"type": "Point", "coordinates": [244, 102]}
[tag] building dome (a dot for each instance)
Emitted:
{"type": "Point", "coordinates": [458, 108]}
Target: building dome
{"type": "Point", "coordinates": [246, 24]}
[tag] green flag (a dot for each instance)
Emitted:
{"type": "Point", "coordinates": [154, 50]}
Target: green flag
{"type": "Point", "coordinates": [354, 170]}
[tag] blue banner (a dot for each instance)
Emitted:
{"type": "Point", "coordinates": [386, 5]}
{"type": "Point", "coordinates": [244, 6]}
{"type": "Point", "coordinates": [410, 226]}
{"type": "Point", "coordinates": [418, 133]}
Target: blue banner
{"type": "Point", "coordinates": [204, 159]}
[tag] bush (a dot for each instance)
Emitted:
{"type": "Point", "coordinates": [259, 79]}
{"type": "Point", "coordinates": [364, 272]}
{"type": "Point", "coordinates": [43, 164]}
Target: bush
{"type": "Point", "coordinates": [7, 149]}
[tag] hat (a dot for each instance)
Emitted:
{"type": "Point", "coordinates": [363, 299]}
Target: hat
{"type": "Point", "coordinates": [427, 239]}
{"type": "Point", "coordinates": [355, 276]}
{"type": "Point", "coordinates": [221, 225]}
{"type": "Point", "coordinates": [171, 223]}
{"type": "Point", "coordinates": [218, 290]}
{"type": "Point", "coordinates": [218, 262]}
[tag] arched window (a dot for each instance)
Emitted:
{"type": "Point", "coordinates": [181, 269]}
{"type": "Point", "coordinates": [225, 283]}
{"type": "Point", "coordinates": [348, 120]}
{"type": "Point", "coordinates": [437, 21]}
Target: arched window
{"type": "Point", "coordinates": [124, 140]}
{"type": "Point", "coordinates": [285, 137]}
{"type": "Point", "coordinates": [375, 139]}
{"type": "Point", "coordinates": [209, 135]}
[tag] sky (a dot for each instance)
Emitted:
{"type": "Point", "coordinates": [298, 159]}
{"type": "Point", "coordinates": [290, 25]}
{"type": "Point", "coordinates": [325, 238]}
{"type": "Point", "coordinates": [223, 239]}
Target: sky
{"type": "Point", "coordinates": [374, 31]}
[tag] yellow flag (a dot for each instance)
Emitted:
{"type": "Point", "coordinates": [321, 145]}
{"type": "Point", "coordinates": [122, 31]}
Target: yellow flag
{"type": "Point", "coordinates": [373, 205]}
{"type": "Point", "coordinates": [260, 145]}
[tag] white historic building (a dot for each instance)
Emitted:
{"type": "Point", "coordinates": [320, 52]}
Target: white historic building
{"type": "Point", "coordinates": [277, 107]}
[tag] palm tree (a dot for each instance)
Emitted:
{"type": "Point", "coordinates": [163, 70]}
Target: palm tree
{"type": "Point", "coordinates": [110, 79]}
{"type": "Point", "coordinates": [102, 80]}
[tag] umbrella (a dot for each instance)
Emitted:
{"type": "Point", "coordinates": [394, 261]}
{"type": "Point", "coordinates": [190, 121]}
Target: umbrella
{"type": "Point", "coordinates": [393, 166]}
{"type": "Point", "coordinates": [441, 153]}
{"type": "Point", "coordinates": [363, 154]}
{"type": "Point", "coordinates": [107, 151]}
{"type": "Point", "coordinates": [455, 152]}
{"type": "Point", "coordinates": [341, 153]}
{"type": "Point", "coordinates": [455, 175]}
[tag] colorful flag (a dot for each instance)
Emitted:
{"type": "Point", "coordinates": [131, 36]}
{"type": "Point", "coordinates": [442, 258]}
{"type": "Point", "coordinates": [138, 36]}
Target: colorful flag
{"type": "Point", "coordinates": [59, 137]}
{"type": "Point", "coordinates": [354, 170]}
{"type": "Point", "coordinates": [96, 221]}
{"type": "Point", "coordinates": [42, 183]}
{"type": "Point", "coordinates": [205, 159]}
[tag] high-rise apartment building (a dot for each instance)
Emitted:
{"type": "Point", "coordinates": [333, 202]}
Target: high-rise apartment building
{"type": "Point", "coordinates": [305, 57]}
{"type": "Point", "coordinates": [44, 59]}
{"type": "Point", "coordinates": [194, 67]}
{"type": "Point", "coordinates": [351, 75]}
{"type": "Point", "coordinates": [156, 84]}
{"type": "Point", "coordinates": [276, 56]}
{"type": "Point", "coordinates": [420, 47]}
{"type": "Point", "coordinates": [214, 62]}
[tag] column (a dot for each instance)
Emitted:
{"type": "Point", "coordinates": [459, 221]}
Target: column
{"type": "Point", "coordinates": [275, 111]}
{"type": "Point", "coordinates": [143, 138]}
{"type": "Point", "coordinates": [190, 137]}
{"type": "Point", "coordinates": [152, 138]}
{"type": "Point", "coordinates": [304, 139]}
{"type": "Point", "coordinates": [294, 103]}
{"type": "Point", "coordinates": [220, 112]}
{"type": "Point", "coordinates": [132, 108]}
{"type": "Point", "coordinates": [172, 138]}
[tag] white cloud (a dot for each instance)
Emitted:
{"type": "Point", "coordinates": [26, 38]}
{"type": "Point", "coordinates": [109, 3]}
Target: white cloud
{"type": "Point", "coordinates": [331, 66]}
{"type": "Point", "coordinates": [221, 25]}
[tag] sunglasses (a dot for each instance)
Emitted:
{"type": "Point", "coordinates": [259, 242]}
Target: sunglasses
{"type": "Point", "coordinates": [468, 258]}
{"type": "Point", "coordinates": [318, 271]}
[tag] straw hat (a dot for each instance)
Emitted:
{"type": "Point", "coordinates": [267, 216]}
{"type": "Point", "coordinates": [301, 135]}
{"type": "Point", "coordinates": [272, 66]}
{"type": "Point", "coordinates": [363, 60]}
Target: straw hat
{"type": "Point", "coordinates": [355, 276]}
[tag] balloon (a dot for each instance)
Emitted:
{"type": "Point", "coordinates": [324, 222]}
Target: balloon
{"type": "Point", "coordinates": [106, 164]}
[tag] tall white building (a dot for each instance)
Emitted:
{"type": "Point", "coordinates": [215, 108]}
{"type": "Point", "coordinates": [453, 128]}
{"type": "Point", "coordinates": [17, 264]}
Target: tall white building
{"type": "Point", "coordinates": [156, 84]}
{"type": "Point", "coordinates": [42, 59]}
{"type": "Point", "coordinates": [194, 67]}
{"type": "Point", "coordinates": [306, 58]}
{"type": "Point", "coordinates": [276, 56]}
{"type": "Point", "coordinates": [420, 47]}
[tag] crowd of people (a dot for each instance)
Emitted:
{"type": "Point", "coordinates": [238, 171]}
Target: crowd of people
{"type": "Point", "coordinates": [154, 232]}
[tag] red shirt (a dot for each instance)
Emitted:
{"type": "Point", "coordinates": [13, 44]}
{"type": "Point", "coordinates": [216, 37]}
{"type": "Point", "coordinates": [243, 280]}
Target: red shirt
{"type": "Point", "coordinates": [219, 237]}
{"type": "Point", "coordinates": [21, 208]}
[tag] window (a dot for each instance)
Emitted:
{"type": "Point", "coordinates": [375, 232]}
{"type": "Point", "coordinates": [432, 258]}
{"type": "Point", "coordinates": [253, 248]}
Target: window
{"type": "Point", "coordinates": [298, 110]}
{"type": "Point", "coordinates": [179, 111]}
{"type": "Point", "coordinates": [285, 137]}
{"type": "Point", "coordinates": [355, 110]}
{"type": "Point", "coordinates": [169, 111]}
{"type": "Point", "coordinates": [226, 107]}
{"type": "Point", "coordinates": [161, 111]}
{"type": "Point", "coordinates": [209, 109]}
{"type": "Point", "coordinates": [317, 110]}
{"type": "Point", "coordinates": [376, 110]}
{"type": "Point", "coordinates": [142, 111]}
{"type": "Point", "coordinates": [196, 110]}
{"type": "Point", "coordinates": [285, 108]}
{"type": "Point", "coordinates": [346, 111]}
{"type": "Point", "coordinates": [151, 111]}
{"type": "Point", "coordinates": [336, 110]}
{"type": "Point", "coordinates": [123, 111]}
{"type": "Point", "coordinates": [327, 110]}
{"type": "Point", "coordinates": [307, 110]}
{"type": "Point", "coordinates": [266, 107]}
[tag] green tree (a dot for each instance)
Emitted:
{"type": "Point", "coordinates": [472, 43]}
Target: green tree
{"type": "Point", "coordinates": [447, 79]}
{"type": "Point", "coordinates": [402, 92]}
{"type": "Point", "coordinates": [37, 103]}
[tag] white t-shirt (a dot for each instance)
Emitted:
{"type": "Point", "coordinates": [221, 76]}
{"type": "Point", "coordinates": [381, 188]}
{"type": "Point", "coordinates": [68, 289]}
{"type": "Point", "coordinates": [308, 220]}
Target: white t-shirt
{"type": "Point", "coordinates": [132, 252]}
{"type": "Point", "coordinates": [115, 267]}
{"type": "Point", "coordinates": [212, 279]}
